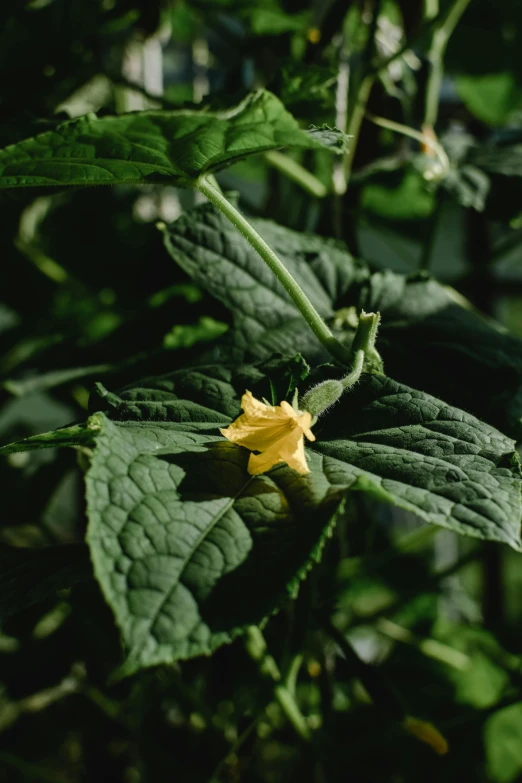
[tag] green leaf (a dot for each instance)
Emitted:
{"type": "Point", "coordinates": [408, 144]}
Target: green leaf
{"type": "Point", "coordinates": [190, 550]}
{"type": "Point", "coordinates": [28, 576]}
{"type": "Point", "coordinates": [212, 252]}
{"type": "Point", "coordinates": [267, 18]}
{"type": "Point", "coordinates": [503, 740]}
{"type": "Point", "coordinates": [483, 681]}
{"type": "Point", "coordinates": [156, 146]}
{"type": "Point", "coordinates": [491, 97]}
{"type": "Point", "coordinates": [505, 159]}
{"type": "Point", "coordinates": [284, 377]}
{"type": "Point", "coordinates": [186, 335]}
{"type": "Point", "coordinates": [430, 341]}
{"type": "Point", "coordinates": [274, 21]}
{"type": "Point", "coordinates": [410, 199]}
{"type": "Point", "coordinates": [427, 339]}
{"type": "Point", "coordinates": [416, 452]}
{"type": "Point", "coordinates": [204, 398]}
{"type": "Point", "coordinates": [76, 435]}
{"type": "Point", "coordinates": [404, 298]}
{"type": "Point", "coordinates": [308, 84]}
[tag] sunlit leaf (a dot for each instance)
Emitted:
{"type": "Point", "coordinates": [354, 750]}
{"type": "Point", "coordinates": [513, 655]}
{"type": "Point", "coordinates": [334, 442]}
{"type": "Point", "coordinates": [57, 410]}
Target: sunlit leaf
{"type": "Point", "coordinates": [173, 147]}
{"type": "Point", "coordinates": [190, 549]}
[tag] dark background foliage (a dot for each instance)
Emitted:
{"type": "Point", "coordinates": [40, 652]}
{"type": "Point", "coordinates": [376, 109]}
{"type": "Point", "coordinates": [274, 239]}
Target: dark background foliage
{"type": "Point", "coordinates": [89, 292]}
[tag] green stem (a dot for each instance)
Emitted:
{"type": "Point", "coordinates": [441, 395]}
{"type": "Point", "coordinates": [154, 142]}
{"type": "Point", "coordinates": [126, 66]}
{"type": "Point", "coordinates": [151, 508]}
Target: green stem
{"type": "Point", "coordinates": [366, 333]}
{"type": "Point", "coordinates": [353, 376]}
{"type": "Point", "coordinates": [213, 181]}
{"type": "Point", "coordinates": [318, 399]}
{"type": "Point", "coordinates": [293, 672]}
{"type": "Point", "coordinates": [364, 86]}
{"type": "Point", "coordinates": [354, 125]}
{"type": "Point", "coordinates": [365, 338]}
{"type": "Point", "coordinates": [301, 301]}
{"type": "Point", "coordinates": [405, 130]}
{"type": "Point", "coordinates": [297, 173]}
{"type": "Point", "coordinates": [432, 648]}
{"type": "Point", "coordinates": [256, 647]}
{"type": "Point", "coordinates": [436, 54]}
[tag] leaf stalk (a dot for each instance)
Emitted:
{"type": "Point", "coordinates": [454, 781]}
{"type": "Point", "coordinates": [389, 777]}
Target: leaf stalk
{"type": "Point", "coordinates": [298, 296]}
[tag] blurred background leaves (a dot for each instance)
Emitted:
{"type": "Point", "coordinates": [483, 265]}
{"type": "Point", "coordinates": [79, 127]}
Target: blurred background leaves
{"type": "Point", "coordinates": [89, 292]}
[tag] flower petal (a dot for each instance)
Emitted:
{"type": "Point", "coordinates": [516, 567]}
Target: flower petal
{"type": "Point", "coordinates": [277, 431]}
{"type": "Point", "coordinates": [259, 463]}
{"type": "Point", "coordinates": [253, 407]}
{"type": "Point", "coordinates": [293, 453]}
{"type": "Point", "coordinates": [289, 410]}
{"type": "Point", "coordinates": [289, 449]}
{"type": "Point", "coordinates": [303, 419]}
{"type": "Point", "coordinates": [260, 425]}
{"type": "Point", "coordinates": [304, 422]}
{"type": "Point", "coordinates": [258, 435]}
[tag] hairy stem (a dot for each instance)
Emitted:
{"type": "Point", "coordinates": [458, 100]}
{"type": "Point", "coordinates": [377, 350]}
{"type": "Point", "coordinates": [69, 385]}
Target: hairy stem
{"type": "Point", "coordinates": [301, 301]}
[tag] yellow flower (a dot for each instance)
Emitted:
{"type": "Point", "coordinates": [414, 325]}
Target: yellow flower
{"type": "Point", "coordinates": [277, 431]}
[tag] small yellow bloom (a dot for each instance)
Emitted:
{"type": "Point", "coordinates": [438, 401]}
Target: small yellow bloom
{"type": "Point", "coordinates": [277, 431]}
{"type": "Point", "coordinates": [426, 732]}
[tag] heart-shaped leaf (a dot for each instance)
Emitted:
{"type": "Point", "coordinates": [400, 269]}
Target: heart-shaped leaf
{"type": "Point", "coordinates": [427, 338]}
{"type": "Point", "coordinates": [190, 550]}
{"type": "Point", "coordinates": [266, 320]}
{"type": "Point", "coordinates": [173, 147]}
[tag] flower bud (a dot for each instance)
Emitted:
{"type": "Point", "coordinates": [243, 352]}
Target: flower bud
{"type": "Point", "coordinates": [321, 397]}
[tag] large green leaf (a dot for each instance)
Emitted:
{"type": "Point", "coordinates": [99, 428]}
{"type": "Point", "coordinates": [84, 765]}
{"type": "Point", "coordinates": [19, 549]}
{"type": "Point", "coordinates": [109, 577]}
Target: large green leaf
{"type": "Point", "coordinates": [402, 439]}
{"type": "Point", "coordinates": [156, 146]}
{"type": "Point", "coordinates": [427, 338]}
{"type": "Point", "coordinates": [190, 549]}
{"type": "Point", "coordinates": [434, 343]}
{"type": "Point", "coordinates": [212, 252]}
{"type": "Point", "coordinates": [419, 453]}
{"type": "Point", "coordinates": [205, 397]}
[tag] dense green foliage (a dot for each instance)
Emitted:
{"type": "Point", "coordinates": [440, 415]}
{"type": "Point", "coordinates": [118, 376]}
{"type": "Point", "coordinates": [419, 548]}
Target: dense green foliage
{"type": "Point", "coordinates": [283, 174]}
